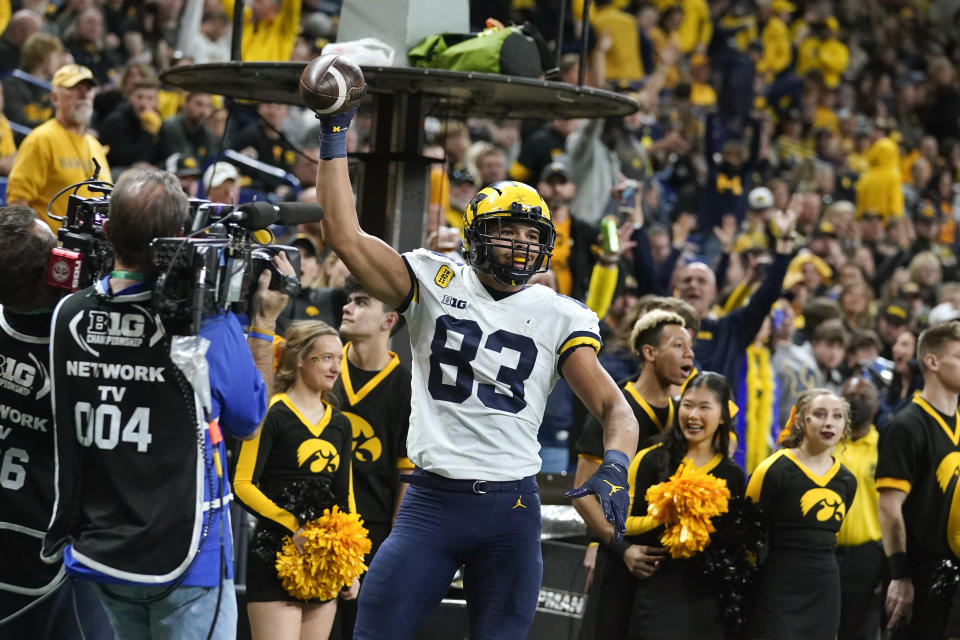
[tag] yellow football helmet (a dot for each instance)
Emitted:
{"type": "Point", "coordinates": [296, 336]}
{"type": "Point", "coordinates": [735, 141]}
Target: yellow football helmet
{"type": "Point", "coordinates": [508, 201]}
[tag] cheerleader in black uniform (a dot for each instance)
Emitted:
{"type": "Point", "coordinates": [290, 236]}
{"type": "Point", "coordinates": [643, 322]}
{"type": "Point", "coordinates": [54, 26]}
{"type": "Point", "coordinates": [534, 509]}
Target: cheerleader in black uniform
{"type": "Point", "coordinates": [297, 465]}
{"type": "Point", "coordinates": [673, 600]}
{"type": "Point", "coordinates": [805, 493]}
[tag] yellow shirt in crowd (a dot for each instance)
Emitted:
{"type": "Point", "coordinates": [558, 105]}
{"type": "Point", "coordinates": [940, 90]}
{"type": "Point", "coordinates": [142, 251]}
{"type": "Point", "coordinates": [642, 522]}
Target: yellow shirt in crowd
{"type": "Point", "coordinates": [623, 59]}
{"type": "Point", "coordinates": [51, 158]}
{"type": "Point", "coordinates": [7, 146]}
{"type": "Point", "coordinates": [269, 40]}
{"type": "Point", "coordinates": [861, 524]}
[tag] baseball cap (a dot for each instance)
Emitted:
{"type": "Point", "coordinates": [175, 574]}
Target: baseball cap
{"type": "Point", "coordinates": [183, 165]}
{"type": "Point", "coordinates": [825, 230]}
{"type": "Point", "coordinates": [927, 212]}
{"type": "Point", "coordinates": [70, 75]}
{"type": "Point", "coordinates": [303, 241]}
{"type": "Point", "coordinates": [760, 198]}
{"type": "Point", "coordinates": [459, 173]}
{"type": "Point", "coordinates": [896, 313]}
{"type": "Point", "coordinates": [555, 168]}
{"type": "Point", "coordinates": [218, 173]}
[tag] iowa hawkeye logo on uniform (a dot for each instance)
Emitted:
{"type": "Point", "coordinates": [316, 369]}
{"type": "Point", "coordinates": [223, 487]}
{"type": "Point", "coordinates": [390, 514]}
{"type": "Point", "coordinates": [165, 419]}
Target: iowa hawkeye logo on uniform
{"type": "Point", "coordinates": [323, 454]}
{"type": "Point", "coordinates": [366, 445]}
{"type": "Point", "coordinates": [444, 276]}
{"type": "Point", "coordinates": [948, 469]}
{"type": "Point", "coordinates": [828, 503]}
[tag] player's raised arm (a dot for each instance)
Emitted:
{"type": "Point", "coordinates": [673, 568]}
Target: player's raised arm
{"type": "Point", "coordinates": [372, 261]}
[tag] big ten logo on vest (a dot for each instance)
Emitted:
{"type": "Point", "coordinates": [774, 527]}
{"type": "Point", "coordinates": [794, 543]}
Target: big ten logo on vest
{"type": "Point", "coordinates": [322, 455]}
{"type": "Point", "coordinates": [366, 445]}
{"type": "Point", "coordinates": [113, 329]}
{"type": "Point", "coordinates": [21, 377]}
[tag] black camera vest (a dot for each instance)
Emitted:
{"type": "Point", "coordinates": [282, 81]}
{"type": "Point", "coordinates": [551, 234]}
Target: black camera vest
{"type": "Point", "coordinates": [129, 448]}
{"type": "Point", "coordinates": [26, 457]}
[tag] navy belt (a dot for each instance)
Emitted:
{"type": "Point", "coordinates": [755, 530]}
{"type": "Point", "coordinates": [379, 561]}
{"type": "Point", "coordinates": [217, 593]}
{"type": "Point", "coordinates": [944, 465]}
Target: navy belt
{"type": "Point", "coordinates": [422, 478]}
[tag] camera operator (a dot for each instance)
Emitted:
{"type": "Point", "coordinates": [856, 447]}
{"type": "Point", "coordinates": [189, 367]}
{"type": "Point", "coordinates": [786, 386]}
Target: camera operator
{"type": "Point", "coordinates": [35, 599]}
{"type": "Point", "coordinates": [141, 483]}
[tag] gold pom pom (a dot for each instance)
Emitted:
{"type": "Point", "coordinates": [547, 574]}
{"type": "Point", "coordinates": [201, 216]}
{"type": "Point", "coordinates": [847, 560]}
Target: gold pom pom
{"type": "Point", "coordinates": [333, 551]}
{"type": "Point", "coordinates": [684, 504]}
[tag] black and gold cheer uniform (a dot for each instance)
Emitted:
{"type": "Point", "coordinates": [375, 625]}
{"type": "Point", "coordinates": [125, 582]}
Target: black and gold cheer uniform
{"type": "Point", "coordinates": [610, 575]}
{"type": "Point", "coordinates": [675, 602]}
{"type": "Point", "coordinates": [377, 404]}
{"type": "Point", "coordinates": [798, 596]}
{"type": "Point", "coordinates": [652, 421]}
{"type": "Point", "coordinates": [920, 455]}
{"type": "Point", "coordinates": [290, 452]}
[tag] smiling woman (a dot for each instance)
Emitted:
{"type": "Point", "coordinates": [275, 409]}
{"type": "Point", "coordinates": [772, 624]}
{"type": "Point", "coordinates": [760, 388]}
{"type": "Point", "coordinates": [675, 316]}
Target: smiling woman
{"type": "Point", "coordinates": [299, 465]}
{"type": "Point", "coordinates": [805, 493]}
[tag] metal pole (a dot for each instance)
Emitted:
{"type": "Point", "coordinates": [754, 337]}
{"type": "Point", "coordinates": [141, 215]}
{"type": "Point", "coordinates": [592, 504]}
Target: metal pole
{"type": "Point", "coordinates": [584, 23]}
{"type": "Point", "coordinates": [563, 19]}
{"type": "Point", "coordinates": [237, 35]}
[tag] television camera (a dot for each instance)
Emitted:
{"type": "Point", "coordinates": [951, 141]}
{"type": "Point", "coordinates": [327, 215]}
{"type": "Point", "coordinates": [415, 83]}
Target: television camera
{"type": "Point", "coordinates": [214, 268]}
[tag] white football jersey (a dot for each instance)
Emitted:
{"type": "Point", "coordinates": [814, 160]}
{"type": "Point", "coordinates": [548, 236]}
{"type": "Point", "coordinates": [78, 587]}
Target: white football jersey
{"type": "Point", "coordinates": [482, 369]}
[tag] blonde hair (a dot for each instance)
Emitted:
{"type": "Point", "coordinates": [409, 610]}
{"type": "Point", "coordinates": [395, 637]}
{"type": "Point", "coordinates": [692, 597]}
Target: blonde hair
{"type": "Point", "coordinates": [795, 435]}
{"type": "Point", "coordinates": [646, 330]}
{"type": "Point", "coordinates": [299, 340]}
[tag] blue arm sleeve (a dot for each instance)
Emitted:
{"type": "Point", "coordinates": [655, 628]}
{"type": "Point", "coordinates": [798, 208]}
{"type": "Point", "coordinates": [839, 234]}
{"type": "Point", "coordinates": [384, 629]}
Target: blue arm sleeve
{"type": "Point", "coordinates": [665, 273]}
{"type": "Point", "coordinates": [750, 318]}
{"type": "Point", "coordinates": [644, 269]}
{"type": "Point", "coordinates": [237, 391]}
{"type": "Point", "coordinates": [722, 266]}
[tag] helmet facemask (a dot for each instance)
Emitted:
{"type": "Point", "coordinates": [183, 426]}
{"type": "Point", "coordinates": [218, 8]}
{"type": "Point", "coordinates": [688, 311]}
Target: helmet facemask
{"type": "Point", "coordinates": [495, 206]}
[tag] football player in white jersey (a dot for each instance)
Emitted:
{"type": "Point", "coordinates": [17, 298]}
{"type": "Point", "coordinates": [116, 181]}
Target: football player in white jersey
{"type": "Point", "coordinates": [487, 350]}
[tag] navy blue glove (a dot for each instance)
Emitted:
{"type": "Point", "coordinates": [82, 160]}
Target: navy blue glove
{"type": "Point", "coordinates": [609, 484]}
{"type": "Point", "coordinates": [333, 135]}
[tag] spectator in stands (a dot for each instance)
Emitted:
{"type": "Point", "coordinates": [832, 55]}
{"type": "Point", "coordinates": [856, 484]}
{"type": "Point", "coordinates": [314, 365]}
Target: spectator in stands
{"type": "Point", "coordinates": [187, 170]}
{"type": "Point", "coordinates": [8, 147]}
{"type": "Point", "coordinates": [622, 59]}
{"type": "Point", "coordinates": [221, 183]}
{"type": "Point", "coordinates": [60, 152]}
{"type": "Point", "coordinates": [828, 346]}
{"type": "Point", "coordinates": [489, 164]}
{"type": "Point", "coordinates": [793, 366]}
{"type": "Point", "coordinates": [541, 148]}
{"type": "Point", "coordinates": [879, 188]}
{"type": "Point", "coordinates": [572, 256]}
{"type": "Point", "coordinates": [23, 24]}
{"type": "Point", "coordinates": [130, 132]}
{"type": "Point", "coordinates": [269, 28]}
{"type": "Point", "coordinates": [263, 140]}
{"type": "Point", "coordinates": [85, 43]}
{"type": "Point", "coordinates": [27, 99]}
{"type": "Point", "coordinates": [204, 32]}
{"type": "Point", "coordinates": [187, 132]}
{"type": "Point", "coordinates": [131, 75]}
{"type": "Point", "coordinates": [773, 18]}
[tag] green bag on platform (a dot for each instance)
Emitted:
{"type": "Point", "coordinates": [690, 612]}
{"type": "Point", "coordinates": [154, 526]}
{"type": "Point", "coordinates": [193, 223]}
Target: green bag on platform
{"type": "Point", "coordinates": [507, 51]}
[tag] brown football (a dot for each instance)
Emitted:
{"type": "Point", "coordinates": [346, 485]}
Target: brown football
{"type": "Point", "coordinates": [331, 84]}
